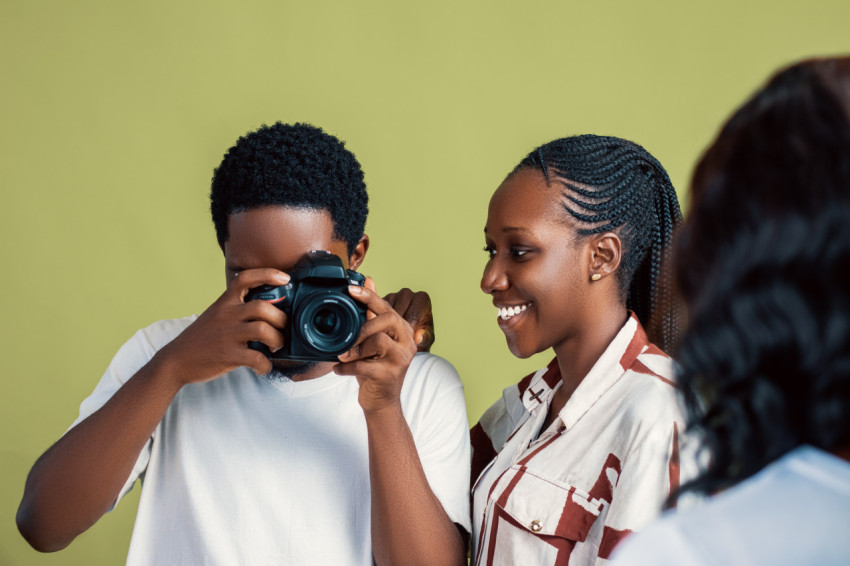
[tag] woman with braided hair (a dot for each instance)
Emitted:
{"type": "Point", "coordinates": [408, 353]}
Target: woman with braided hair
{"type": "Point", "coordinates": [577, 455]}
{"type": "Point", "coordinates": [763, 263]}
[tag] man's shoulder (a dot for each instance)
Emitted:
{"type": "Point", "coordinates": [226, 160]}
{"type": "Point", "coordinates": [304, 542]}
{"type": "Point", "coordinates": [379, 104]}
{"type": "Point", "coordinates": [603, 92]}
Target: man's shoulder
{"type": "Point", "coordinates": [148, 340]}
{"type": "Point", "coordinates": [161, 332]}
{"type": "Point", "coordinates": [428, 370]}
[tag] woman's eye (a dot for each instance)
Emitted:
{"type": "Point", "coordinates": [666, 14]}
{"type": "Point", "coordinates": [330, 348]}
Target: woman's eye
{"type": "Point", "coordinates": [518, 252]}
{"type": "Point", "coordinates": [515, 252]}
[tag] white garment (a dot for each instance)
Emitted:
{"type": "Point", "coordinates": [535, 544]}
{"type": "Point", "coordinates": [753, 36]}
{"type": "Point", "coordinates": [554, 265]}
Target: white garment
{"type": "Point", "coordinates": [243, 471]}
{"type": "Point", "coordinates": [795, 511]}
{"type": "Point", "coordinates": [605, 467]}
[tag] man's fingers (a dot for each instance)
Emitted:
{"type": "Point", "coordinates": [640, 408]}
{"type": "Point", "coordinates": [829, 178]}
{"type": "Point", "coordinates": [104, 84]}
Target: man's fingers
{"type": "Point", "coordinates": [415, 308]}
{"type": "Point", "coordinates": [250, 278]}
{"type": "Point", "coordinates": [370, 284]}
{"type": "Point", "coordinates": [400, 301]}
{"type": "Point", "coordinates": [261, 332]}
{"type": "Point", "coordinates": [389, 324]}
{"type": "Point", "coordinates": [376, 346]}
{"type": "Point", "coordinates": [256, 361]}
{"type": "Point", "coordinates": [358, 368]}
{"type": "Point", "coordinates": [418, 312]}
{"type": "Point", "coordinates": [369, 298]}
{"type": "Point", "coordinates": [370, 357]}
{"type": "Point", "coordinates": [264, 311]}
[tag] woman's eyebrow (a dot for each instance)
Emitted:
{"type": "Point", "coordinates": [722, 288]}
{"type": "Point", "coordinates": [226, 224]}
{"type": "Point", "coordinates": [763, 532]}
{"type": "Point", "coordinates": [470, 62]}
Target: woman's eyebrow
{"type": "Point", "coordinates": [511, 229]}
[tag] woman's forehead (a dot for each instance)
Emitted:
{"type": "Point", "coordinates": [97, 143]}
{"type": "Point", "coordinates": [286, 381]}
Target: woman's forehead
{"type": "Point", "coordinates": [526, 199]}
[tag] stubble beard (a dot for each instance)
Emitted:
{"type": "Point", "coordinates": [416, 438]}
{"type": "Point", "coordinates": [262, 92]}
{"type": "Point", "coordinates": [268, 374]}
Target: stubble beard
{"type": "Point", "coordinates": [287, 372]}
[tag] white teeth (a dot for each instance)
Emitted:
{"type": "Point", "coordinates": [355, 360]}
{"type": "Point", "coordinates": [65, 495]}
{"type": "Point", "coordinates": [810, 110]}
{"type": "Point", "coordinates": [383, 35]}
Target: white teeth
{"type": "Point", "coordinates": [508, 312]}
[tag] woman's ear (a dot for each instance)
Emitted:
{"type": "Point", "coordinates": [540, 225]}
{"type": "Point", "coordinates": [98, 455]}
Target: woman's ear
{"type": "Point", "coordinates": [606, 251]}
{"type": "Point", "coordinates": [359, 253]}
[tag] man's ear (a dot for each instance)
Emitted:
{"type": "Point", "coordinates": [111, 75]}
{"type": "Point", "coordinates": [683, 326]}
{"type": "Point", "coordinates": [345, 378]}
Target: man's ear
{"type": "Point", "coordinates": [359, 253]}
{"type": "Point", "coordinates": [606, 252]}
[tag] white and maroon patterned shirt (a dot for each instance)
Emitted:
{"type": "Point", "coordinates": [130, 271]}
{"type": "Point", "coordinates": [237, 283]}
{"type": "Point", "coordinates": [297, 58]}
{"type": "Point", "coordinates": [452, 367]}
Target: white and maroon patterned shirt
{"type": "Point", "coordinates": [606, 465]}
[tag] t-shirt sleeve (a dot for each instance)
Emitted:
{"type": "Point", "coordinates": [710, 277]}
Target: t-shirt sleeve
{"type": "Point", "coordinates": [129, 359]}
{"type": "Point", "coordinates": [435, 409]}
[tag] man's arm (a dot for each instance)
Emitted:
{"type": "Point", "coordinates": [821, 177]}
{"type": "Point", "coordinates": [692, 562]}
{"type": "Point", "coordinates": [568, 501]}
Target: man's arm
{"type": "Point", "coordinates": [409, 524]}
{"type": "Point", "coordinates": [78, 479]}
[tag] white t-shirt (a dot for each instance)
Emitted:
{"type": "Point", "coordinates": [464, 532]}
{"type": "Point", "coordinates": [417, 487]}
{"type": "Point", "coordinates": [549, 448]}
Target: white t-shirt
{"type": "Point", "coordinates": [245, 471]}
{"type": "Point", "coordinates": [795, 511]}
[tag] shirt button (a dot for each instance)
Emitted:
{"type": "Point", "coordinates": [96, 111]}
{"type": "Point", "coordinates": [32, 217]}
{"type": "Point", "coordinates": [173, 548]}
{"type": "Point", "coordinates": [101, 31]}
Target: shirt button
{"type": "Point", "coordinates": [536, 526]}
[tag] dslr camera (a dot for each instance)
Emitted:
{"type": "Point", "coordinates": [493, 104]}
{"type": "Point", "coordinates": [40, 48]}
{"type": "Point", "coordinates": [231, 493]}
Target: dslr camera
{"type": "Point", "coordinates": [323, 320]}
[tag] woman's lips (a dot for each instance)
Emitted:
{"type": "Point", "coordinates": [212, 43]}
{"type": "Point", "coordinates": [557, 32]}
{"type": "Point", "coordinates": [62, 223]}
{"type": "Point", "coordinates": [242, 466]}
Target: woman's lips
{"type": "Point", "coordinates": [509, 315]}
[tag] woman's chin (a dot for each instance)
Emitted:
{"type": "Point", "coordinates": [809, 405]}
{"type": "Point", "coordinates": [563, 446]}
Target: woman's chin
{"type": "Point", "coordinates": [521, 351]}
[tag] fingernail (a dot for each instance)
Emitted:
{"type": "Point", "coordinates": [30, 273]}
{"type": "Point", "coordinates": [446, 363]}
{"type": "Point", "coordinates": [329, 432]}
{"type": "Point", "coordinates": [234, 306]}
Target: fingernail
{"type": "Point", "coordinates": [355, 290]}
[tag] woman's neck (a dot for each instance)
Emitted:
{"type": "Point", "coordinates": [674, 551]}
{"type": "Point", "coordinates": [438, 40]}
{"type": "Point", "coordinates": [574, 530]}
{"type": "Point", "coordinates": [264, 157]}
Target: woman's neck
{"type": "Point", "coordinates": [578, 355]}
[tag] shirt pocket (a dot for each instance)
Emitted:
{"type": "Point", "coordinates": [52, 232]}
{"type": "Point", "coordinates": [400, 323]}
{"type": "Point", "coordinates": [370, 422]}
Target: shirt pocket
{"type": "Point", "coordinates": [540, 520]}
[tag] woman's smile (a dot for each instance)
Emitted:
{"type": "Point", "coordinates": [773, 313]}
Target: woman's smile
{"type": "Point", "coordinates": [509, 315]}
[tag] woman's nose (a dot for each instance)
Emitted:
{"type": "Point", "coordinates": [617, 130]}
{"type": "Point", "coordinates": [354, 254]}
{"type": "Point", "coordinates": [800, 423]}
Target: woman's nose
{"type": "Point", "coordinates": [494, 277]}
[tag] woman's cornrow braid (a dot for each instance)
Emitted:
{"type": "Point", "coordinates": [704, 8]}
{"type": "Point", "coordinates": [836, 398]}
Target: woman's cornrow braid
{"type": "Point", "coordinates": [611, 184]}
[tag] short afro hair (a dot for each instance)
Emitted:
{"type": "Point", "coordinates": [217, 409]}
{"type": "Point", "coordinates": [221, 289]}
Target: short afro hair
{"type": "Point", "coordinates": [294, 165]}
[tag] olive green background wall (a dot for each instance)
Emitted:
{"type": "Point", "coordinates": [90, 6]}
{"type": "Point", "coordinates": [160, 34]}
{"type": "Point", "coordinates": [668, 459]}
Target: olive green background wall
{"type": "Point", "coordinates": [114, 115]}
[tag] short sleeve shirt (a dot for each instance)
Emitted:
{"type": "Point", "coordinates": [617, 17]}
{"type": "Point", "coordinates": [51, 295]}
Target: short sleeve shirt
{"type": "Point", "coordinates": [606, 465]}
{"type": "Point", "coordinates": [243, 470]}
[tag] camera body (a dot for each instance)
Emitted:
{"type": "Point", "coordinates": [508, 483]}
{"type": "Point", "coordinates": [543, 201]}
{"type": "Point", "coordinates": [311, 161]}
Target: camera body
{"type": "Point", "coordinates": [323, 320]}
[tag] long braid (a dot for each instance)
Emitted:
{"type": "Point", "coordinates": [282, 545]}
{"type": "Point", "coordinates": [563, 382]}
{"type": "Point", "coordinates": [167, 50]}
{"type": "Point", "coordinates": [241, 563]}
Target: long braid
{"type": "Point", "coordinates": [614, 185]}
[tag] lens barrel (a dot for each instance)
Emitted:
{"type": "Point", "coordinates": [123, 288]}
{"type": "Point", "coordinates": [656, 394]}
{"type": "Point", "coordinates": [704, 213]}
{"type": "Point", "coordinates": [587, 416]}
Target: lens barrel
{"type": "Point", "coordinates": [329, 322]}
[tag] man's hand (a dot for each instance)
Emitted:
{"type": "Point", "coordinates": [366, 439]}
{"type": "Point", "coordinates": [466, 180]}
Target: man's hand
{"type": "Point", "coordinates": [217, 342]}
{"type": "Point", "coordinates": [381, 356]}
{"type": "Point", "coordinates": [415, 308]}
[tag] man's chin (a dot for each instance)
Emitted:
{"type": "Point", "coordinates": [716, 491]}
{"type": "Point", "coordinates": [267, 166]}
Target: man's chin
{"type": "Point", "coordinates": [283, 371]}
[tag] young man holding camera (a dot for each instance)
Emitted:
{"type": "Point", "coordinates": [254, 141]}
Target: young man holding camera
{"type": "Point", "coordinates": [250, 460]}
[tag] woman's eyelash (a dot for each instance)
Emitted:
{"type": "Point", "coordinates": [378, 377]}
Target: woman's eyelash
{"type": "Point", "coordinates": [515, 252]}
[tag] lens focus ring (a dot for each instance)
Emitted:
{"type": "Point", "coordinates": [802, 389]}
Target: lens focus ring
{"type": "Point", "coordinates": [329, 322]}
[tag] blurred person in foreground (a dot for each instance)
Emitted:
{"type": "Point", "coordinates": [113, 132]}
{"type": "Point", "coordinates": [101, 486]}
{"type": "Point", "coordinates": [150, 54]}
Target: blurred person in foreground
{"type": "Point", "coordinates": [763, 263]}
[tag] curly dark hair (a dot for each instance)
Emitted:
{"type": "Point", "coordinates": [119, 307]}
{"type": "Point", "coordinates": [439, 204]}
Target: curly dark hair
{"type": "Point", "coordinates": [763, 264]}
{"type": "Point", "coordinates": [614, 185]}
{"type": "Point", "coordinates": [296, 165]}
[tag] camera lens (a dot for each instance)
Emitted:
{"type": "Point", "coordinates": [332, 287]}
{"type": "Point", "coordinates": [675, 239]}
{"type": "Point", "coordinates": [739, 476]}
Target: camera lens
{"type": "Point", "coordinates": [325, 321]}
{"type": "Point", "coordinates": [329, 323]}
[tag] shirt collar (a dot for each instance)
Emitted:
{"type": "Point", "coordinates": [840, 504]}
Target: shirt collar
{"type": "Point", "coordinates": [620, 354]}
